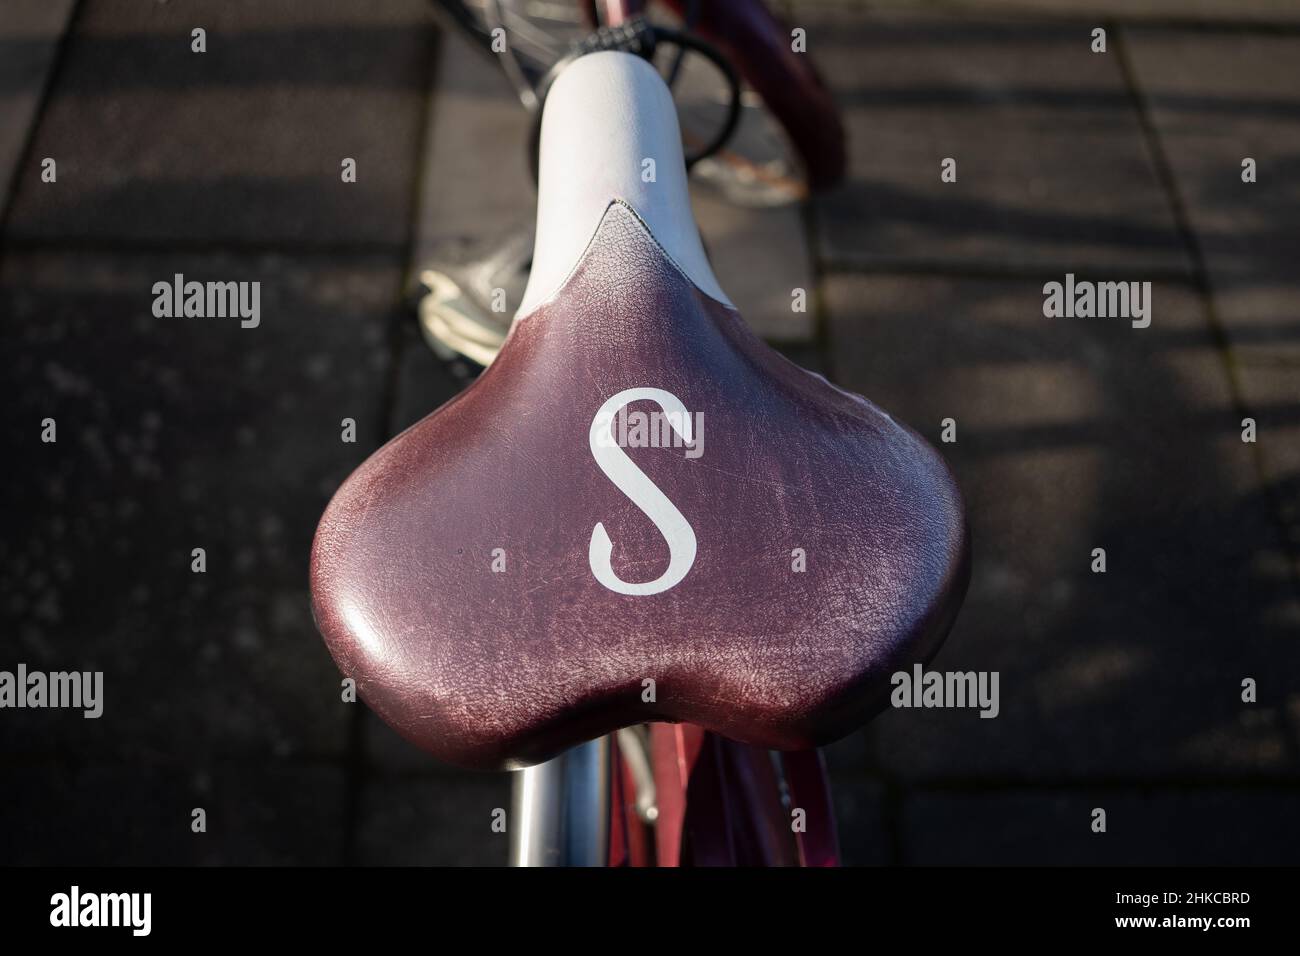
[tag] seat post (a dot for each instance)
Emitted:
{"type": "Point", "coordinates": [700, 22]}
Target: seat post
{"type": "Point", "coordinates": [560, 809]}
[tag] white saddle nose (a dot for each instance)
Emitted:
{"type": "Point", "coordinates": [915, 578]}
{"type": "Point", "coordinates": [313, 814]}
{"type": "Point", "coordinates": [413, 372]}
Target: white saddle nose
{"type": "Point", "coordinates": [588, 160]}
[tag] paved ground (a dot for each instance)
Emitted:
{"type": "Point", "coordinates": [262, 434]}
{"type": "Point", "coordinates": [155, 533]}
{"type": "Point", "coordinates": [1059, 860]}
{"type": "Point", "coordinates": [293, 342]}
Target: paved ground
{"type": "Point", "coordinates": [1119, 690]}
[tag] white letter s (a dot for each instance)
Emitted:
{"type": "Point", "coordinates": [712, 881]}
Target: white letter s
{"type": "Point", "coordinates": [632, 481]}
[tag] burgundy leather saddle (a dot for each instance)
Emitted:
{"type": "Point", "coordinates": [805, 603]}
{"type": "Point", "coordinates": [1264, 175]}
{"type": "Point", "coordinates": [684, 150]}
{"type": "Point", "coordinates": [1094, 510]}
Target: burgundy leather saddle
{"type": "Point", "coordinates": [639, 512]}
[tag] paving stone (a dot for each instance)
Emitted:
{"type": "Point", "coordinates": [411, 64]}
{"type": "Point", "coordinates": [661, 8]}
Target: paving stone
{"type": "Point", "coordinates": [29, 38]}
{"type": "Point", "coordinates": [176, 434]}
{"type": "Point", "coordinates": [1075, 434]}
{"type": "Point", "coordinates": [809, 356]}
{"type": "Point", "coordinates": [1052, 169]}
{"type": "Point", "coordinates": [1159, 827]}
{"type": "Point", "coordinates": [860, 819]}
{"type": "Point", "coordinates": [424, 382]}
{"type": "Point", "coordinates": [1271, 389]}
{"type": "Point", "coordinates": [241, 143]}
{"type": "Point", "coordinates": [760, 256]}
{"type": "Point", "coordinates": [388, 750]}
{"type": "Point", "coordinates": [141, 815]}
{"type": "Point", "coordinates": [475, 185]}
{"type": "Point", "coordinates": [443, 820]}
{"type": "Point", "coordinates": [850, 755]}
{"type": "Point", "coordinates": [269, 814]}
{"type": "Point", "coordinates": [59, 815]}
{"type": "Point", "coordinates": [1216, 98]}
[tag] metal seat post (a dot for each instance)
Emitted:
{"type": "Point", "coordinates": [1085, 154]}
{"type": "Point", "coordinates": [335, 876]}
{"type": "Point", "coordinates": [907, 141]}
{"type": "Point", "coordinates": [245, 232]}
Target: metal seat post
{"type": "Point", "coordinates": [560, 809]}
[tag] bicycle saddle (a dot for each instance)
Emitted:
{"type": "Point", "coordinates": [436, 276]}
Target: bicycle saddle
{"type": "Point", "coordinates": [639, 511]}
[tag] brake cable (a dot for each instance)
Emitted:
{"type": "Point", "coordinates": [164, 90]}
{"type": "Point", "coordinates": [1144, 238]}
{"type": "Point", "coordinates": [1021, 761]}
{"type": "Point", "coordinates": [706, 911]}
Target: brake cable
{"type": "Point", "coordinates": [691, 16]}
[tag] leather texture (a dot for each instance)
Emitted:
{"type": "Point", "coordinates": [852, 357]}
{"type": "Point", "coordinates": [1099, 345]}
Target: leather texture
{"type": "Point", "coordinates": [501, 669]}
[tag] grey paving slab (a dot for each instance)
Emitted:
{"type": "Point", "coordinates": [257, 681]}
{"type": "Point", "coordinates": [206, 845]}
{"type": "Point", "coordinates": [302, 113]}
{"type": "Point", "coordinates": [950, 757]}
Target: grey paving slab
{"type": "Point", "coordinates": [1158, 827]}
{"type": "Point", "coordinates": [476, 190]}
{"type": "Point", "coordinates": [272, 814]}
{"type": "Point", "coordinates": [810, 356]}
{"type": "Point", "coordinates": [1052, 170]}
{"type": "Point", "coordinates": [1215, 99]}
{"type": "Point", "coordinates": [861, 821]}
{"type": "Point", "coordinates": [474, 183]}
{"type": "Point", "coordinates": [29, 38]}
{"type": "Point", "coordinates": [1270, 379]}
{"type": "Point", "coordinates": [388, 751]}
{"type": "Point", "coordinates": [242, 143]}
{"type": "Point", "coordinates": [141, 814]}
{"type": "Point", "coordinates": [444, 820]}
{"type": "Point", "coordinates": [54, 814]}
{"type": "Point", "coordinates": [1074, 434]}
{"type": "Point", "coordinates": [850, 755]}
{"type": "Point", "coordinates": [761, 257]}
{"type": "Point", "coordinates": [424, 382]}
{"type": "Point", "coordinates": [175, 434]}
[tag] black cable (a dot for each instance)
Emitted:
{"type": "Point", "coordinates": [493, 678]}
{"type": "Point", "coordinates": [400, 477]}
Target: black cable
{"type": "Point", "coordinates": [692, 15]}
{"type": "Point", "coordinates": [691, 42]}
